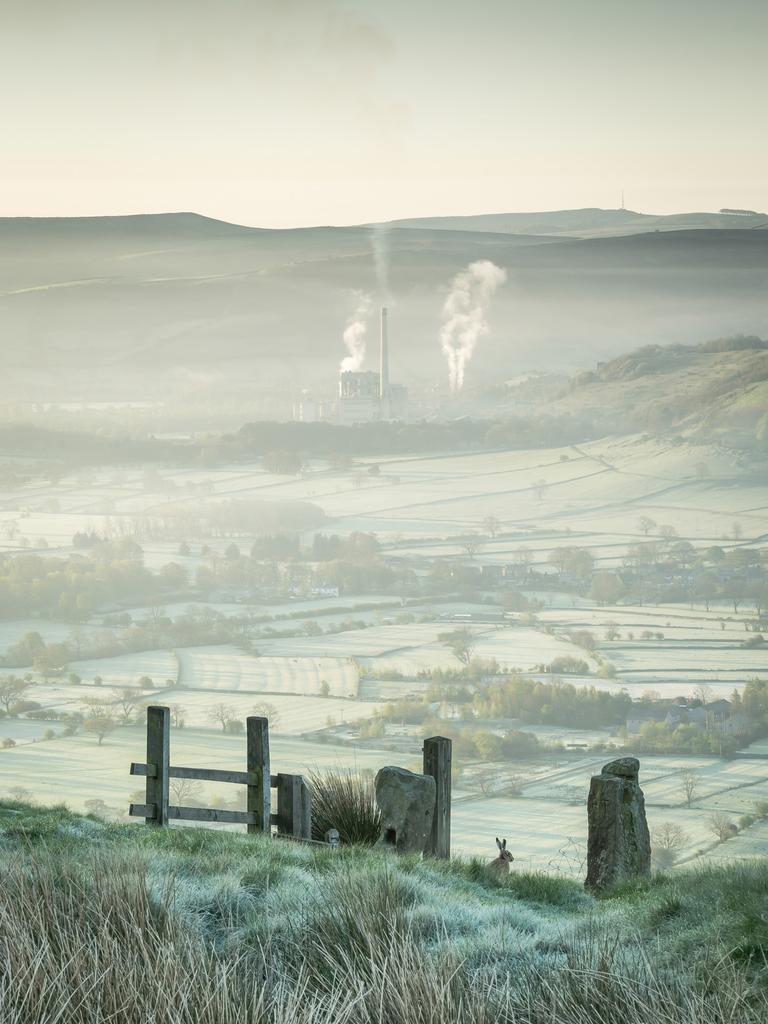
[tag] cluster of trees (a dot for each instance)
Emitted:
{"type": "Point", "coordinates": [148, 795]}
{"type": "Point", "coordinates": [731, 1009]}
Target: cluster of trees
{"type": "Point", "coordinates": [104, 572]}
{"type": "Point", "coordinates": [752, 705]}
{"type": "Point", "coordinates": [194, 629]}
{"type": "Point", "coordinates": [488, 696]}
{"type": "Point", "coordinates": [357, 547]}
{"type": "Point", "coordinates": [577, 562]}
{"type": "Point", "coordinates": [546, 703]}
{"type": "Point", "coordinates": [468, 741]}
{"type": "Point", "coordinates": [674, 570]}
{"type": "Point", "coordinates": [748, 722]}
{"type": "Point", "coordinates": [662, 738]}
{"type": "Point", "coordinates": [353, 564]}
{"type": "Point", "coordinates": [275, 441]}
{"type": "Point", "coordinates": [72, 587]}
{"type": "Point", "coordinates": [328, 440]}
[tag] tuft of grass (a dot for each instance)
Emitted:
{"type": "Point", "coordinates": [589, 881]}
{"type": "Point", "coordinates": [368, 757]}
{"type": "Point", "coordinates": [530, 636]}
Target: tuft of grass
{"type": "Point", "coordinates": [108, 923]}
{"type": "Point", "coordinates": [345, 801]}
{"type": "Point", "coordinates": [90, 941]}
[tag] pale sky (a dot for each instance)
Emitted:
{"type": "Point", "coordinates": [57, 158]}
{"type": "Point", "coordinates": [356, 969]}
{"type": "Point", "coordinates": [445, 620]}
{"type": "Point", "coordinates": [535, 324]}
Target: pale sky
{"type": "Point", "coordinates": [289, 112]}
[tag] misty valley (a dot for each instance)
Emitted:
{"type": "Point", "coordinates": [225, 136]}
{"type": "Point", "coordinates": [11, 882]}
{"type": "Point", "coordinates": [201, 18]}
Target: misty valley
{"type": "Point", "coordinates": [384, 620]}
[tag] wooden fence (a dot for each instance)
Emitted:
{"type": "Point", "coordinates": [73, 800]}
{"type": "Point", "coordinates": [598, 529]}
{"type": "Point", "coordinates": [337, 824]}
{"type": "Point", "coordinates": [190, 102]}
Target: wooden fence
{"type": "Point", "coordinates": [294, 810]}
{"type": "Point", "coordinates": [294, 803]}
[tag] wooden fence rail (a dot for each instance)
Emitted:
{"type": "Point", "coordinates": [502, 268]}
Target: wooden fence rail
{"type": "Point", "coordinates": [294, 805]}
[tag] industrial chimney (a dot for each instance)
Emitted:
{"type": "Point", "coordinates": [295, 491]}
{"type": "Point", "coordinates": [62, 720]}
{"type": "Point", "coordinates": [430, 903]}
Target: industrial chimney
{"type": "Point", "coordinates": [384, 357]}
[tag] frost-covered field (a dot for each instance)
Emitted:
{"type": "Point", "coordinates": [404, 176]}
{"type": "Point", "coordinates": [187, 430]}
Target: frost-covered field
{"type": "Point", "coordinates": [289, 715]}
{"type": "Point", "coordinates": [546, 826]}
{"type": "Point", "coordinates": [226, 669]}
{"type": "Point", "coordinates": [72, 770]}
{"type": "Point", "coordinates": [125, 670]}
{"type": "Point", "coordinates": [591, 497]}
{"type": "Point", "coordinates": [598, 489]}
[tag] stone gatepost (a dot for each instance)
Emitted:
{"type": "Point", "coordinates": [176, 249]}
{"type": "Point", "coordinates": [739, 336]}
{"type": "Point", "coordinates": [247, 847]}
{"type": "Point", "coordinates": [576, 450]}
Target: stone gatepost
{"type": "Point", "coordinates": [619, 846]}
{"type": "Point", "coordinates": [407, 804]}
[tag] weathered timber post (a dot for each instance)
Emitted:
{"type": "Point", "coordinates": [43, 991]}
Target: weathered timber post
{"type": "Point", "coordinates": [306, 811]}
{"type": "Point", "coordinates": [437, 763]}
{"type": "Point", "coordinates": [294, 807]}
{"type": "Point", "coordinates": [619, 846]}
{"type": "Point", "coordinates": [258, 798]}
{"type": "Point", "coordinates": [158, 760]}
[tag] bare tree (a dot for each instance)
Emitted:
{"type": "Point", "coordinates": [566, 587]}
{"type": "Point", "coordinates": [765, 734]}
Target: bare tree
{"type": "Point", "coordinates": [645, 524]}
{"type": "Point", "coordinates": [492, 526]}
{"type": "Point", "coordinates": [703, 692]}
{"type": "Point", "coordinates": [12, 690]}
{"type": "Point", "coordinates": [722, 826]}
{"type": "Point", "coordinates": [100, 726]}
{"type": "Point", "coordinates": [689, 783]}
{"type": "Point", "coordinates": [523, 558]}
{"type": "Point", "coordinates": [266, 710]}
{"type": "Point", "coordinates": [177, 715]}
{"type": "Point", "coordinates": [470, 542]}
{"type": "Point", "coordinates": [540, 487]}
{"type": "Point", "coordinates": [126, 701]}
{"type": "Point", "coordinates": [461, 642]}
{"type": "Point", "coordinates": [185, 791]}
{"type": "Point", "coordinates": [667, 839]}
{"type": "Point", "coordinates": [223, 714]}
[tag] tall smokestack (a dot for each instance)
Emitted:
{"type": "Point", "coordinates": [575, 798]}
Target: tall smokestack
{"type": "Point", "coordinates": [384, 356]}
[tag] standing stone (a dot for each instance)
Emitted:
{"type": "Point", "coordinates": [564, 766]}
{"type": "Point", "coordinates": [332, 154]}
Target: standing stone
{"type": "Point", "coordinates": [407, 804]}
{"type": "Point", "coordinates": [619, 846]}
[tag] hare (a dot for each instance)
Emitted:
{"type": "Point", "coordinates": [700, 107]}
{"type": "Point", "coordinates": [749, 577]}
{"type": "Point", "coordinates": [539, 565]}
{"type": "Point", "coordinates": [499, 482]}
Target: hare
{"type": "Point", "coordinates": [501, 863]}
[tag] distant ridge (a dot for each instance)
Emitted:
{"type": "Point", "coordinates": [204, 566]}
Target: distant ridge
{"type": "Point", "coordinates": [131, 305]}
{"type": "Point", "coordinates": [587, 223]}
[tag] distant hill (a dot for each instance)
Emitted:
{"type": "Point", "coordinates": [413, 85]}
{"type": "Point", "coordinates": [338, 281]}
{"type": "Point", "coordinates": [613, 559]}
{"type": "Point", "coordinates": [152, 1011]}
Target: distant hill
{"type": "Point", "coordinates": [168, 304]}
{"type": "Point", "coordinates": [588, 223]}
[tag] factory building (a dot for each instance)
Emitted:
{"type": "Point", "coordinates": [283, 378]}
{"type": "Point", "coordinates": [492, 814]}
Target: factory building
{"type": "Point", "coordinates": [366, 396]}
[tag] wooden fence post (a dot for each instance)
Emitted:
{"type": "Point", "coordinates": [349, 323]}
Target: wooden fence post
{"type": "Point", "coordinates": [437, 763]}
{"type": "Point", "coordinates": [306, 811]}
{"type": "Point", "coordinates": [294, 807]}
{"type": "Point", "coordinates": [258, 790]}
{"type": "Point", "coordinates": [158, 759]}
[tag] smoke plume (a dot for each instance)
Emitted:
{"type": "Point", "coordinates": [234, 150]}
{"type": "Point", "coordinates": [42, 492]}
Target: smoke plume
{"type": "Point", "coordinates": [464, 315]}
{"type": "Point", "coordinates": [355, 331]}
{"type": "Point", "coordinates": [380, 244]}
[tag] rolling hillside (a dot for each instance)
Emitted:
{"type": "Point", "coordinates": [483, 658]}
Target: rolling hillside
{"type": "Point", "coordinates": [715, 389]}
{"type": "Point", "coordinates": [97, 307]}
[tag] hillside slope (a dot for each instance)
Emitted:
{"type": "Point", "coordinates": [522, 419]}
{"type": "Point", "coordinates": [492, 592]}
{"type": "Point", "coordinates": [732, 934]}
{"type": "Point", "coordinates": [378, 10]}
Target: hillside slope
{"type": "Point", "coordinates": [135, 307]}
{"type": "Point", "coordinates": [196, 926]}
{"type": "Point", "coordinates": [717, 390]}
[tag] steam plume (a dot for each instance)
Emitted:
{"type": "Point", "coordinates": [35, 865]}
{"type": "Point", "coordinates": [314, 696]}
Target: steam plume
{"type": "Point", "coordinates": [355, 331]}
{"type": "Point", "coordinates": [464, 315]}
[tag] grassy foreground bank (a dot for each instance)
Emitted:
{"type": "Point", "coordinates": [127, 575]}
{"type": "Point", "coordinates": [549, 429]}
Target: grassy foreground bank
{"type": "Point", "coordinates": [121, 923]}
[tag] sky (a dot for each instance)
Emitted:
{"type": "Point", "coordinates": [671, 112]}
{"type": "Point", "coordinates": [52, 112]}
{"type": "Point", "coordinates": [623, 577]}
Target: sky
{"type": "Point", "coordinates": [291, 112]}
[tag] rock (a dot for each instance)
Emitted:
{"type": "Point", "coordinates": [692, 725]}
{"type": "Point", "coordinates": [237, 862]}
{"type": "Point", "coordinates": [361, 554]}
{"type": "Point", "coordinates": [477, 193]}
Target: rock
{"type": "Point", "coordinates": [407, 804]}
{"type": "Point", "coordinates": [619, 846]}
{"type": "Point", "coordinates": [625, 767]}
